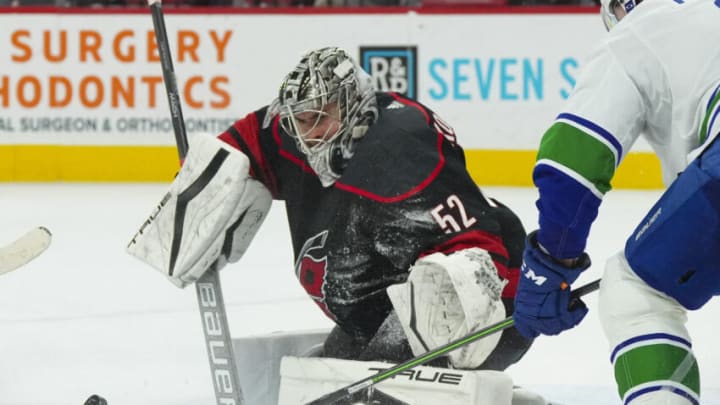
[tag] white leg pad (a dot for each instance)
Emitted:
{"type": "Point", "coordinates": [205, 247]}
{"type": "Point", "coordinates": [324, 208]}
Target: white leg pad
{"type": "Point", "coordinates": [523, 396]}
{"type": "Point", "coordinates": [258, 361]}
{"type": "Point", "coordinates": [306, 379]}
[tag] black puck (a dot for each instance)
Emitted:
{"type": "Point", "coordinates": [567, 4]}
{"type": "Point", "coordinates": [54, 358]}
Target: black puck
{"type": "Point", "coordinates": [95, 400]}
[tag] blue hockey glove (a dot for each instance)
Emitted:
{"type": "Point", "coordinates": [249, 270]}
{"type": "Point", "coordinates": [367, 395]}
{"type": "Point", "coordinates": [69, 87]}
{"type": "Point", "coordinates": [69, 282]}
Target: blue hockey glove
{"type": "Point", "coordinates": [543, 296]}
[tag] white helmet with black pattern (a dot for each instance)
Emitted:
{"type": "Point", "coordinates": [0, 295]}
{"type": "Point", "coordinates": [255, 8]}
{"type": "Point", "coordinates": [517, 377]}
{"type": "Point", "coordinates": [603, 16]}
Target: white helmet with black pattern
{"type": "Point", "coordinates": [327, 85]}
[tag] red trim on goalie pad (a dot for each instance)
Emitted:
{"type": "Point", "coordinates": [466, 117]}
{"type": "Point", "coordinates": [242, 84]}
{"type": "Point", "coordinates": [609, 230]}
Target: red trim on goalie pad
{"type": "Point", "coordinates": [493, 245]}
{"type": "Point", "coordinates": [249, 130]}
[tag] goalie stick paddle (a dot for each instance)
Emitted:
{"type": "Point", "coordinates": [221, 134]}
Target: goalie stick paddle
{"type": "Point", "coordinates": [209, 292]}
{"type": "Point", "coordinates": [24, 249]}
{"type": "Point", "coordinates": [366, 383]}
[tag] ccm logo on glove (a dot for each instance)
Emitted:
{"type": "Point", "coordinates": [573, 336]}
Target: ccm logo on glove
{"type": "Point", "coordinates": [530, 275]}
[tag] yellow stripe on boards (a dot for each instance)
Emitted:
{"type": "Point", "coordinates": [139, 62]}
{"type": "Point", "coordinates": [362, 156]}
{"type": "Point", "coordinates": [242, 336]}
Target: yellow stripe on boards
{"type": "Point", "coordinates": [75, 163]}
{"type": "Point", "coordinates": [639, 170]}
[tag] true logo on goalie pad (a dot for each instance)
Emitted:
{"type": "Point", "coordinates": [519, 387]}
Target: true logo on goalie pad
{"type": "Point", "coordinates": [151, 218]}
{"type": "Point", "coordinates": [308, 379]}
{"type": "Point", "coordinates": [425, 376]}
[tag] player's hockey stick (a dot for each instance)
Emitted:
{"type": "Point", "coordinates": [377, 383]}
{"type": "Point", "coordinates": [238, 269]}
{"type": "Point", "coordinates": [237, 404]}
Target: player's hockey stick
{"type": "Point", "coordinates": [23, 249]}
{"type": "Point", "coordinates": [351, 389]}
{"type": "Point", "coordinates": [209, 292]}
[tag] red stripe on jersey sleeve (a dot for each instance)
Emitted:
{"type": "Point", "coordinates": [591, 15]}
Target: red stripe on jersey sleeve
{"type": "Point", "coordinates": [409, 102]}
{"type": "Point", "coordinates": [249, 129]}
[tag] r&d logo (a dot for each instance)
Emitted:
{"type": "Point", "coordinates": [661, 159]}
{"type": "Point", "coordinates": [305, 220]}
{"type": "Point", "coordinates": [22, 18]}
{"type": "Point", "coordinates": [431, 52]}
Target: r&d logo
{"type": "Point", "coordinates": [392, 68]}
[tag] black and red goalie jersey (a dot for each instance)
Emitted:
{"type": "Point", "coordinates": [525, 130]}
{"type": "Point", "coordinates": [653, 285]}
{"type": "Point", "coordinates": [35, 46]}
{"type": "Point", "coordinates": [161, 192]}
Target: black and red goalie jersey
{"type": "Point", "coordinates": [404, 194]}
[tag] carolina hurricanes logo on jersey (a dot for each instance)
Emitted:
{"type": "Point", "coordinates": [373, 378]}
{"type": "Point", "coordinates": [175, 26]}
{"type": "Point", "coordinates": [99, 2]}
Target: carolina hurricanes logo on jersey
{"type": "Point", "coordinates": [311, 270]}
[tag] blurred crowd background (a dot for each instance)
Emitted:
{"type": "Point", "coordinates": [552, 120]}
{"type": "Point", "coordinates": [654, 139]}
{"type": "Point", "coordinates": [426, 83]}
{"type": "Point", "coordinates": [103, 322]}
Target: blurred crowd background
{"type": "Point", "coordinates": [295, 3]}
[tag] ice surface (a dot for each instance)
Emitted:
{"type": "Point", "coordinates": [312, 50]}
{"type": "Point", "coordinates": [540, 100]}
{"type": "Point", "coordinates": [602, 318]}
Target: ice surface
{"type": "Point", "coordinates": [87, 318]}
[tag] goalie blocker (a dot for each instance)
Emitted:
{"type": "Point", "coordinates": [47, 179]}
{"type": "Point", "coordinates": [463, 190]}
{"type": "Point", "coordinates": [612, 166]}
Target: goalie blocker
{"type": "Point", "coordinates": [210, 214]}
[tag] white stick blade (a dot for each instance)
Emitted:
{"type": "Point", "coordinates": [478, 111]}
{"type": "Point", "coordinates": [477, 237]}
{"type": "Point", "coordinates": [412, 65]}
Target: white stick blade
{"type": "Point", "coordinates": [24, 249]}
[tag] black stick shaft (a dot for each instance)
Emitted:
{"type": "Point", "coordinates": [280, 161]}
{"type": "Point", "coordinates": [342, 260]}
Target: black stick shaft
{"type": "Point", "coordinates": [169, 78]}
{"type": "Point", "coordinates": [209, 292]}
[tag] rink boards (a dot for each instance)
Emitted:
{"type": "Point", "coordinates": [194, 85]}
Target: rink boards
{"type": "Point", "coordinates": [640, 170]}
{"type": "Point", "coordinates": [83, 100]}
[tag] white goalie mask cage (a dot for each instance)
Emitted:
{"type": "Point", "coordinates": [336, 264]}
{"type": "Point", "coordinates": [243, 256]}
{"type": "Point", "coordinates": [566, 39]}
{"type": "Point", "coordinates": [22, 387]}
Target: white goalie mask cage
{"type": "Point", "coordinates": [327, 103]}
{"type": "Point", "coordinates": [607, 10]}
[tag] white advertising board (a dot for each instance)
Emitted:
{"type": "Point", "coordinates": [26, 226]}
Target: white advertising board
{"type": "Point", "coordinates": [95, 79]}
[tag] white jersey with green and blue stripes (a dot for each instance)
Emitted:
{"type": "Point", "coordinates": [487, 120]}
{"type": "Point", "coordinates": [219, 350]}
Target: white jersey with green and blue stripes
{"type": "Point", "coordinates": [650, 77]}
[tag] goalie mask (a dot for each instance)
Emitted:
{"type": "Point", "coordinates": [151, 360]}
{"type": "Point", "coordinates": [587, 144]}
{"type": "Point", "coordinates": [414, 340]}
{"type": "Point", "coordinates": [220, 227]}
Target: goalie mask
{"type": "Point", "coordinates": [609, 10]}
{"type": "Point", "coordinates": [327, 103]}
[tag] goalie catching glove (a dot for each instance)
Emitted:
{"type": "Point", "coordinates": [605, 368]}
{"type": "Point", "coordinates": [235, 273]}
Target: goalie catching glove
{"type": "Point", "coordinates": [209, 216]}
{"type": "Point", "coordinates": [447, 297]}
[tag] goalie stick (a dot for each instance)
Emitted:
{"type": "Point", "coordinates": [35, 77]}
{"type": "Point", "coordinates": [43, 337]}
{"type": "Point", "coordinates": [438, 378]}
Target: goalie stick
{"type": "Point", "coordinates": [24, 249]}
{"type": "Point", "coordinates": [209, 292]}
{"type": "Point", "coordinates": [350, 390]}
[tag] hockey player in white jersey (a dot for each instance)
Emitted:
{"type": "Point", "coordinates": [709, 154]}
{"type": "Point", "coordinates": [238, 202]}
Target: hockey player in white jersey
{"type": "Point", "coordinates": [649, 77]}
